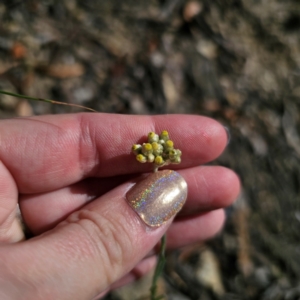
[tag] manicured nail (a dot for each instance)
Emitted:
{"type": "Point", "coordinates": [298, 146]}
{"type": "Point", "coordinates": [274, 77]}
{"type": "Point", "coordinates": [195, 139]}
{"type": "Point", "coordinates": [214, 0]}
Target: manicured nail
{"type": "Point", "coordinates": [158, 197]}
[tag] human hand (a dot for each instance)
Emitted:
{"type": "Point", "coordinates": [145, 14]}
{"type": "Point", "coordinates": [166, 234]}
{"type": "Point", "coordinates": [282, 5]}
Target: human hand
{"type": "Point", "coordinates": [70, 175]}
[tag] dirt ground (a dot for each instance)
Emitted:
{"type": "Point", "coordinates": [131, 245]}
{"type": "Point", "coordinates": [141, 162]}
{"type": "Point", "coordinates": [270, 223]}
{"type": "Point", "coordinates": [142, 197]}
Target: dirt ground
{"type": "Point", "coordinates": [237, 61]}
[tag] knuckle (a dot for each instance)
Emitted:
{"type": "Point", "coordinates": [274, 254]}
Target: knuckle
{"type": "Point", "coordinates": [106, 240]}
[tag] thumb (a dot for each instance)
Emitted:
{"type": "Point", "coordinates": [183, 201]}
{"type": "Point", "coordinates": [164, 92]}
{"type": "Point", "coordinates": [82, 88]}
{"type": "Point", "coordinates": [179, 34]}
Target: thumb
{"type": "Point", "coordinates": [96, 245]}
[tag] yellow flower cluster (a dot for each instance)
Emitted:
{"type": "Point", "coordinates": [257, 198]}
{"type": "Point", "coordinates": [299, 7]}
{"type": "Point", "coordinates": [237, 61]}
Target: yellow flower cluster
{"type": "Point", "coordinates": [158, 150]}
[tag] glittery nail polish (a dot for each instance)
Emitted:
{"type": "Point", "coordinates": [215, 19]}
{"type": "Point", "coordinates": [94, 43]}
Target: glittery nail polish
{"type": "Point", "coordinates": [158, 197]}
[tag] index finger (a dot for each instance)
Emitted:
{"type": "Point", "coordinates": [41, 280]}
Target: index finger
{"type": "Point", "coordinates": [45, 153]}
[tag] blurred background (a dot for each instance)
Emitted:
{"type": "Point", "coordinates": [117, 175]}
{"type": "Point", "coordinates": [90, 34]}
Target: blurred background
{"type": "Point", "coordinates": [237, 61]}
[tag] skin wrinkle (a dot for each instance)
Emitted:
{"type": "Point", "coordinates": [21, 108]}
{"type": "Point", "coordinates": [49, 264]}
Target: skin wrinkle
{"type": "Point", "coordinates": [117, 130]}
{"type": "Point", "coordinates": [21, 142]}
{"type": "Point", "coordinates": [31, 139]}
{"type": "Point", "coordinates": [35, 120]}
{"type": "Point", "coordinates": [205, 183]}
{"type": "Point", "coordinates": [37, 163]}
{"type": "Point", "coordinates": [65, 139]}
{"type": "Point", "coordinates": [87, 235]}
{"type": "Point", "coordinates": [6, 225]}
{"type": "Point", "coordinates": [79, 252]}
{"type": "Point", "coordinates": [10, 288]}
{"type": "Point", "coordinates": [124, 243]}
{"type": "Point", "coordinates": [15, 276]}
{"type": "Point", "coordinates": [17, 120]}
{"type": "Point", "coordinates": [144, 127]}
{"type": "Point", "coordinates": [193, 181]}
{"type": "Point", "coordinates": [83, 139]}
{"type": "Point", "coordinates": [43, 285]}
{"type": "Point", "coordinates": [107, 238]}
{"type": "Point", "coordinates": [62, 141]}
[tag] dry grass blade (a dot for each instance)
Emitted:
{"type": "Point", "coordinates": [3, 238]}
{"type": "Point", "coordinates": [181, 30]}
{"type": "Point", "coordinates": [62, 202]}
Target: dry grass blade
{"type": "Point", "coordinates": [46, 100]}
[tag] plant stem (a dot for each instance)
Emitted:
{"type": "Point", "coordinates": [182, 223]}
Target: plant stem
{"type": "Point", "coordinates": [158, 270]}
{"type": "Point", "coordinates": [46, 100]}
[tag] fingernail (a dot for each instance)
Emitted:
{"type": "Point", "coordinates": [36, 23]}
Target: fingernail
{"type": "Point", "coordinates": [158, 197]}
{"type": "Point", "coordinates": [228, 134]}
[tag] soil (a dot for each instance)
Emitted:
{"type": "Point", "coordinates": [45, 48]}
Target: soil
{"type": "Point", "coordinates": [237, 61]}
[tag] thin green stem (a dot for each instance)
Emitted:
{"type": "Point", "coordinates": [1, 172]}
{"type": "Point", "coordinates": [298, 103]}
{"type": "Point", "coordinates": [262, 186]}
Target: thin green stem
{"type": "Point", "coordinates": [46, 100]}
{"type": "Point", "coordinates": [158, 270]}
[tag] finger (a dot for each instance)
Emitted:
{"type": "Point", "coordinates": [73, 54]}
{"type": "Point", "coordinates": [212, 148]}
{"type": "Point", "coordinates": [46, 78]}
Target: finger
{"type": "Point", "coordinates": [10, 229]}
{"type": "Point", "coordinates": [50, 152]}
{"type": "Point", "coordinates": [194, 229]}
{"type": "Point", "coordinates": [92, 249]}
{"type": "Point", "coordinates": [140, 270]}
{"type": "Point", "coordinates": [43, 211]}
{"type": "Point", "coordinates": [209, 187]}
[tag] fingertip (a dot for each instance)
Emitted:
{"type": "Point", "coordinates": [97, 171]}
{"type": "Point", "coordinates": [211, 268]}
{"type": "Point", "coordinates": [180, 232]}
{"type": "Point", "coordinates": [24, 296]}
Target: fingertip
{"type": "Point", "coordinates": [212, 138]}
{"type": "Point", "coordinates": [229, 186]}
{"type": "Point", "coordinates": [214, 221]}
{"type": "Point", "coordinates": [218, 219]}
{"type": "Point", "coordinates": [195, 229]}
{"type": "Point", "coordinates": [209, 188]}
{"type": "Point", "coordinates": [217, 136]}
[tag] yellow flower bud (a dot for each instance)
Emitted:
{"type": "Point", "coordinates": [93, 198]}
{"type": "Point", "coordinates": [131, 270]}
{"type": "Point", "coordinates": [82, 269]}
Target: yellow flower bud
{"type": "Point", "coordinates": [152, 137]}
{"type": "Point", "coordinates": [141, 158]}
{"type": "Point", "coordinates": [176, 160]}
{"type": "Point", "coordinates": [159, 160]}
{"type": "Point", "coordinates": [164, 135]}
{"type": "Point", "coordinates": [147, 148]}
{"type": "Point", "coordinates": [157, 148]}
{"type": "Point", "coordinates": [150, 158]}
{"type": "Point", "coordinates": [136, 149]}
{"type": "Point", "coordinates": [169, 145]}
{"type": "Point", "coordinates": [172, 153]}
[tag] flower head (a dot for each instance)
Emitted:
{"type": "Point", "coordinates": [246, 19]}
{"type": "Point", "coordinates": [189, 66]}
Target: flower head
{"type": "Point", "coordinates": [158, 150]}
